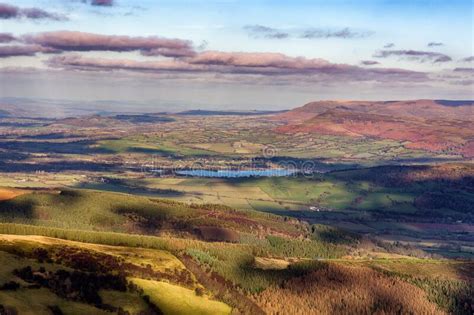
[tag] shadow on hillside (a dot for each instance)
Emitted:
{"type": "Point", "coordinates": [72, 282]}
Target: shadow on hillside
{"type": "Point", "coordinates": [73, 147]}
{"type": "Point", "coordinates": [135, 187]}
{"type": "Point", "coordinates": [13, 156]}
{"type": "Point", "coordinates": [49, 136]}
{"type": "Point", "coordinates": [60, 166]}
{"type": "Point", "coordinates": [152, 151]}
{"type": "Point", "coordinates": [151, 220]}
{"type": "Point", "coordinates": [20, 209]}
{"type": "Point", "coordinates": [21, 124]}
{"type": "Point", "coordinates": [248, 270]}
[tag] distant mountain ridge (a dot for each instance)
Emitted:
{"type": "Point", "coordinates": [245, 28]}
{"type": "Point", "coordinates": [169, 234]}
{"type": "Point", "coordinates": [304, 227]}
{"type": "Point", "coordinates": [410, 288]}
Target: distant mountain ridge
{"type": "Point", "coordinates": [423, 108]}
{"type": "Point", "coordinates": [434, 125]}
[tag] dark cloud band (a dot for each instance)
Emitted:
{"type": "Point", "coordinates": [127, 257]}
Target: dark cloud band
{"type": "Point", "coordinates": [369, 62]}
{"type": "Point", "coordinates": [23, 50]}
{"type": "Point", "coordinates": [79, 41]}
{"type": "Point", "coordinates": [103, 3]}
{"type": "Point", "coordinates": [12, 12]}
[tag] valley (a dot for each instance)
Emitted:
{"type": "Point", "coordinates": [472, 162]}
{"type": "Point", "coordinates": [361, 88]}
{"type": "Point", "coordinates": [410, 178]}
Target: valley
{"type": "Point", "coordinates": [210, 213]}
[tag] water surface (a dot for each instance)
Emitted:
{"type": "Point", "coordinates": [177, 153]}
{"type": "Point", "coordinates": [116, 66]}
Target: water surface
{"type": "Point", "coordinates": [237, 173]}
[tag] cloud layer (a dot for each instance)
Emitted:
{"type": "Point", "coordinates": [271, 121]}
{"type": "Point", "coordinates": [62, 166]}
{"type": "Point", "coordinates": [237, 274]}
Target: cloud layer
{"type": "Point", "coordinates": [180, 59]}
{"type": "Point", "coordinates": [269, 65]}
{"type": "Point", "coordinates": [23, 50]}
{"type": "Point", "coordinates": [12, 12]}
{"type": "Point", "coordinates": [342, 33]}
{"type": "Point", "coordinates": [416, 55]}
{"type": "Point", "coordinates": [262, 31]}
{"type": "Point", "coordinates": [79, 41]}
{"type": "Point", "coordinates": [468, 59]}
{"type": "Point", "coordinates": [6, 38]}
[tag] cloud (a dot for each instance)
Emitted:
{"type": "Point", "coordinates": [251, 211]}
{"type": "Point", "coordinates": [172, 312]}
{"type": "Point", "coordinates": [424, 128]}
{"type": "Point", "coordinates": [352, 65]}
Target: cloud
{"type": "Point", "coordinates": [256, 60]}
{"type": "Point", "coordinates": [466, 82]}
{"type": "Point", "coordinates": [8, 11]}
{"type": "Point", "coordinates": [389, 45]}
{"type": "Point", "coordinates": [24, 50]}
{"type": "Point", "coordinates": [434, 44]}
{"type": "Point", "coordinates": [203, 45]}
{"type": "Point", "coordinates": [6, 38]}
{"type": "Point", "coordinates": [369, 62]}
{"type": "Point", "coordinates": [169, 52]}
{"type": "Point", "coordinates": [97, 3]}
{"type": "Point", "coordinates": [79, 41]}
{"type": "Point", "coordinates": [12, 12]}
{"type": "Point", "coordinates": [468, 59]}
{"type": "Point", "coordinates": [261, 31]}
{"type": "Point", "coordinates": [420, 56]}
{"type": "Point", "coordinates": [342, 33]}
{"type": "Point", "coordinates": [269, 65]}
{"type": "Point", "coordinates": [83, 63]}
{"type": "Point", "coordinates": [103, 3]}
{"type": "Point", "coordinates": [467, 70]}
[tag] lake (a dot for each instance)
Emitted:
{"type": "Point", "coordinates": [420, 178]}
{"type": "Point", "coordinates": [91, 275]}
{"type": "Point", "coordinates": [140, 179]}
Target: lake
{"type": "Point", "coordinates": [237, 173]}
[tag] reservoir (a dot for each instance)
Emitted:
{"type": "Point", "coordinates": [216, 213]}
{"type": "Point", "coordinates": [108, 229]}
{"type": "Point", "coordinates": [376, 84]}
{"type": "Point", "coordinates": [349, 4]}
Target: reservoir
{"type": "Point", "coordinates": [237, 173]}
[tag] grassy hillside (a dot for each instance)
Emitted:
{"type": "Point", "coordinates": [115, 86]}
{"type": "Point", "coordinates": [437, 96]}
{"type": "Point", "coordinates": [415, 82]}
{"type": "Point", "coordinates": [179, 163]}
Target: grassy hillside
{"type": "Point", "coordinates": [172, 299]}
{"type": "Point", "coordinates": [39, 275]}
{"type": "Point", "coordinates": [157, 278]}
{"type": "Point", "coordinates": [93, 210]}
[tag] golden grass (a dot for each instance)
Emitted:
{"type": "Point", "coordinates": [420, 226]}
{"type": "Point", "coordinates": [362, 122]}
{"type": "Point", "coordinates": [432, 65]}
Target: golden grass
{"type": "Point", "coordinates": [159, 260]}
{"type": "Point", "coordinates": [270, 263]}
{"type": "Point", "coordinates": [176, 300]}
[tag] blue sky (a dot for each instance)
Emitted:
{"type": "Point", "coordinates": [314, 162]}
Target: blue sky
{"type": "Point", "coordinates": [350, 49]}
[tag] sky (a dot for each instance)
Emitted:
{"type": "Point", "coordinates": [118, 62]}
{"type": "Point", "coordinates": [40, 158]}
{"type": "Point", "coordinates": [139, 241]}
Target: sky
{"type": "Point", "coordinates": [175, 55]}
